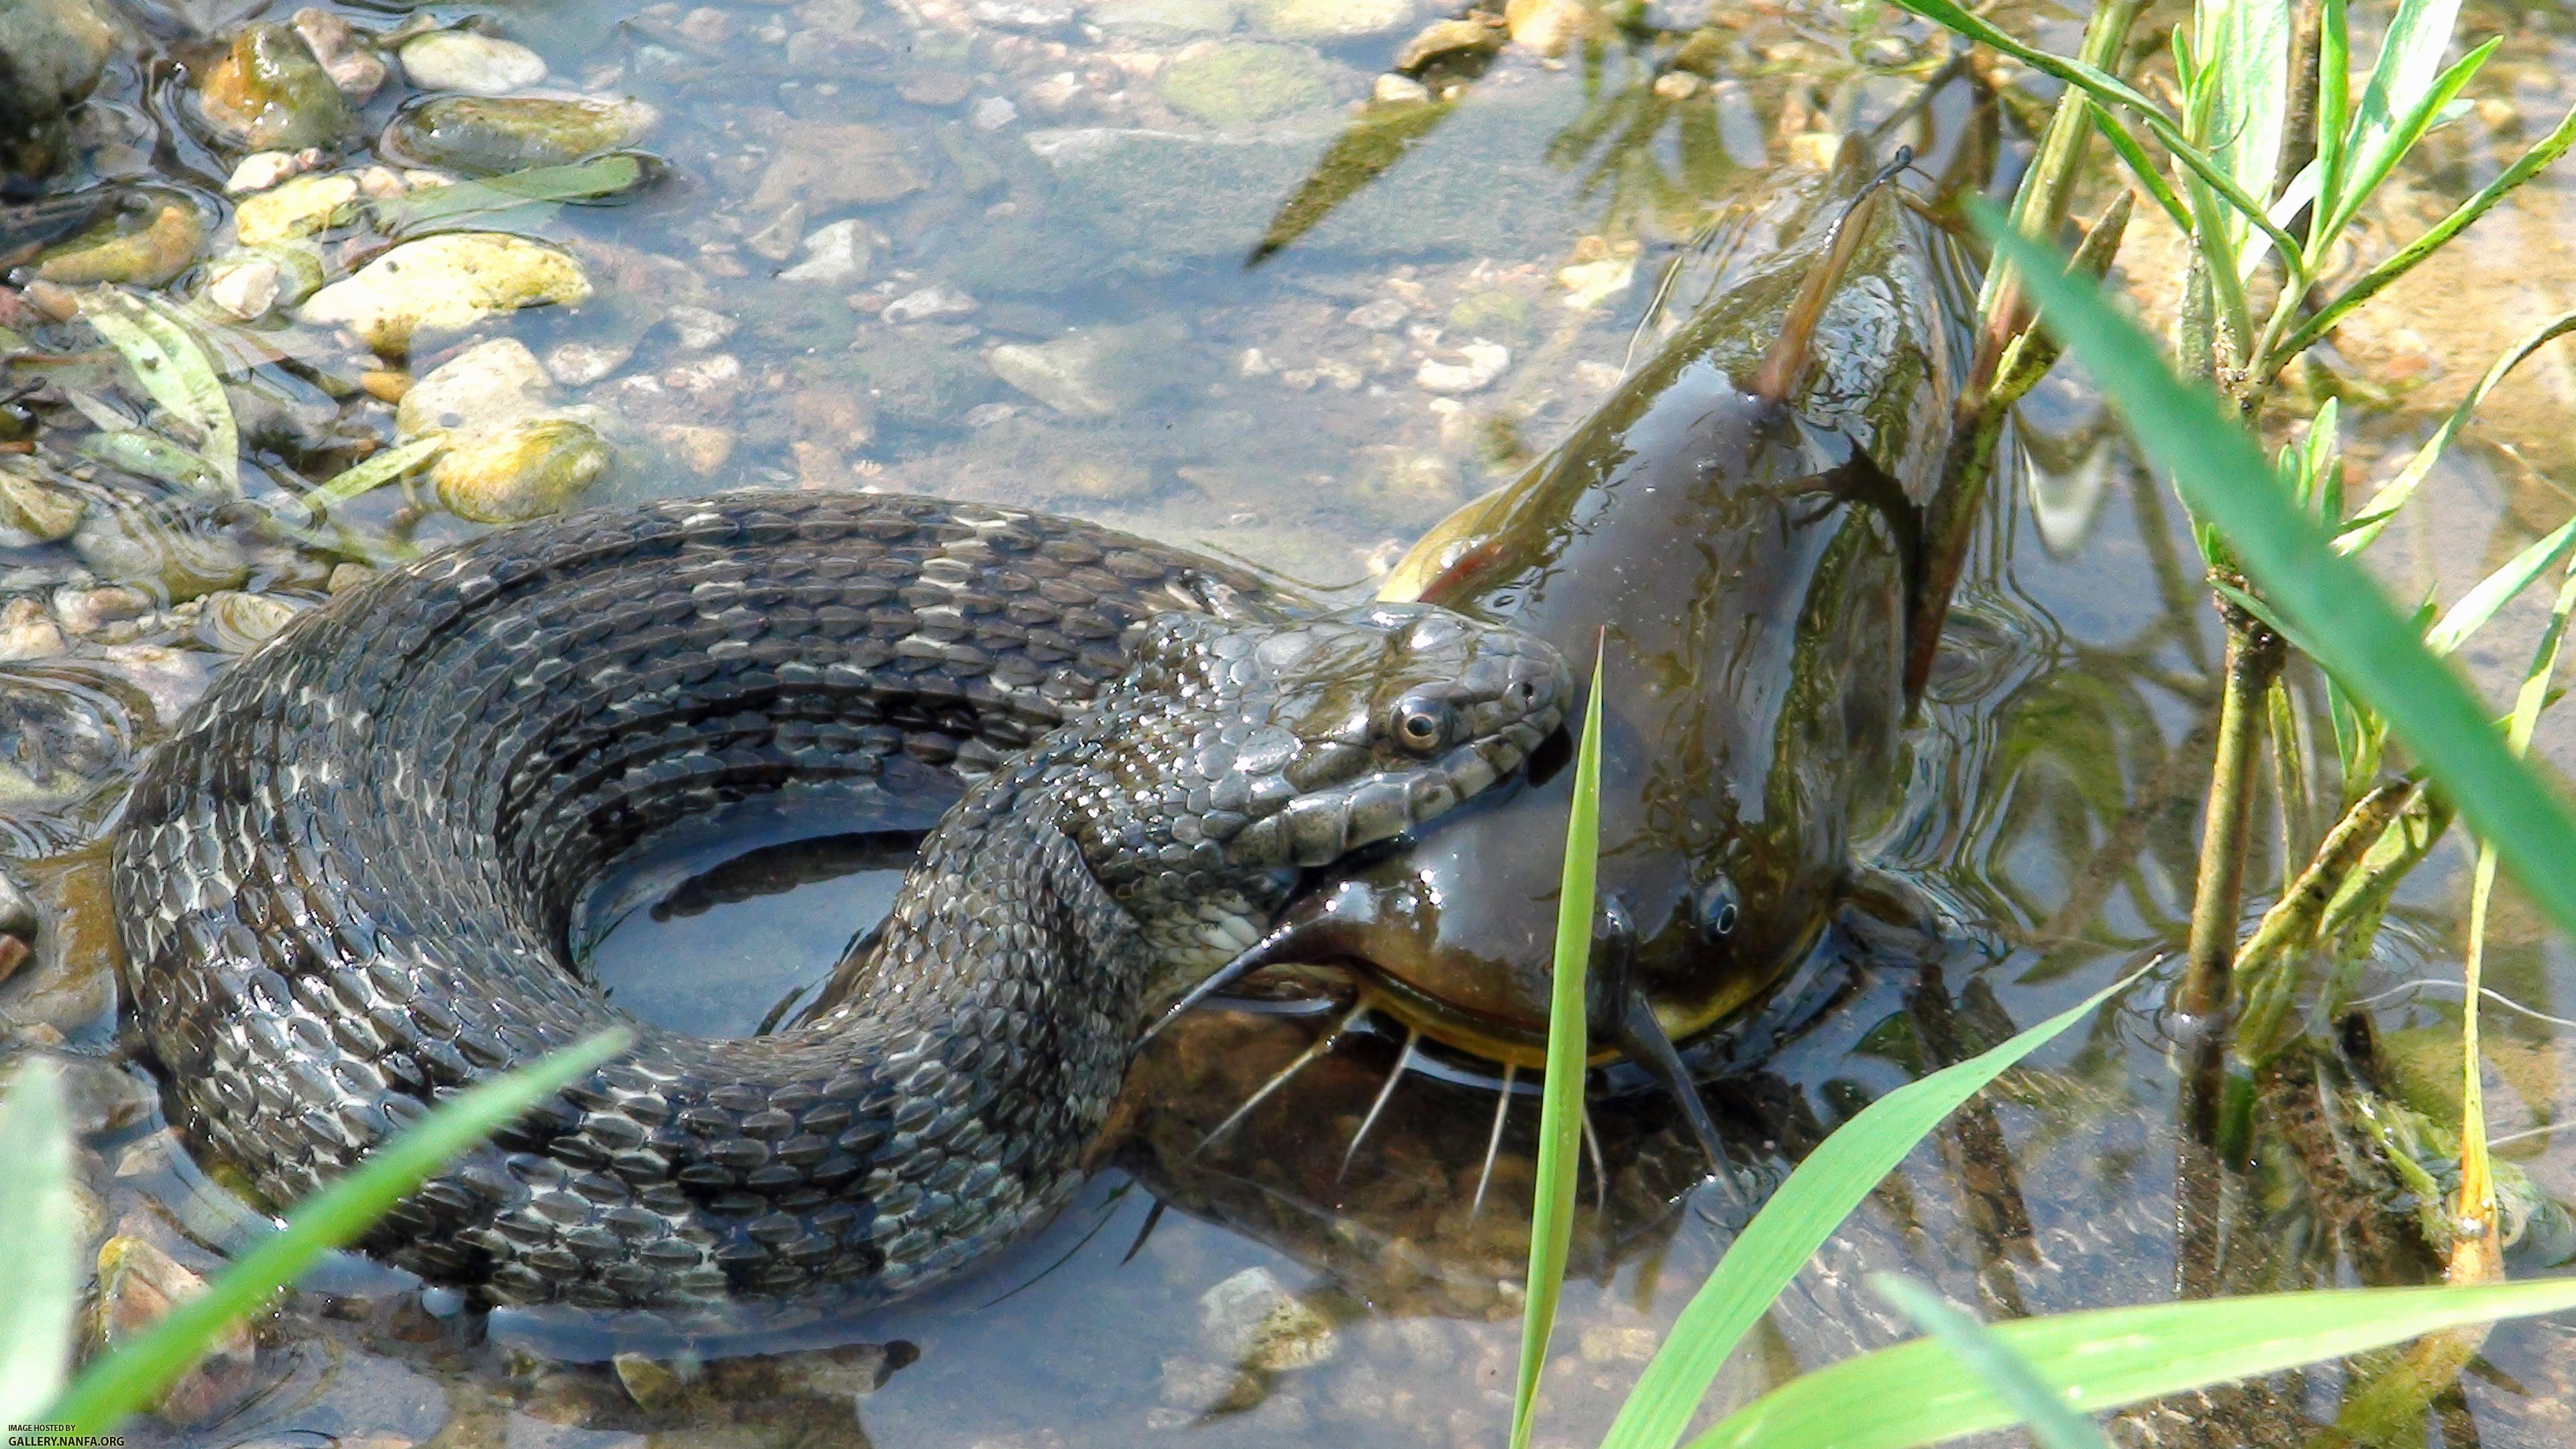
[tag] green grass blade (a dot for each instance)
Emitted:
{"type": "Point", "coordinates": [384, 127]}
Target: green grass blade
{"type": "Point", "coordinates": [175, 372]}
{"type": "Point", "coordinates": [2374, 165]}
{"type": "Point", "coordinates": [2358, 532]}
{"type": "Point", "coordinates": [2370, 283]}
{"type": "Point", "coordinates": [2410, 53]}
{"type": "Point", "coordinates": [2252, 57]}
{"type": "Point", "coordinates": [128, 1379]}
{"type": "Point", "coordinates": [1560, 1133]}
{"type": "Point", "coordinates": [1796, 1221]}
{"type": "Point", "coordinates": [2141, 166]}
{"type": "Point", "coordinates": [2334, 113]}
{"type": "Point", "coordinates": [2011, 1378]}
{"type": "Point", "coordinates": [40, 1273]}
{"type": "Point", "coordinates": [374, 473]}
{"type": "Point", "coordinates": [2109, 90]}
{"type": "Point", "coordinates": [2497, 589]}
{"type": "Point", "coordinates": [1913, 1394]}
{"type": "Point", "coordinates": [2358, 635]}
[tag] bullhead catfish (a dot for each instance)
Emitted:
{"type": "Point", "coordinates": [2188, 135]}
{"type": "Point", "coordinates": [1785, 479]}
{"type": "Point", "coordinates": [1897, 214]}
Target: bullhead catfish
{"type": "Point", "coordinates": [1739, 528]}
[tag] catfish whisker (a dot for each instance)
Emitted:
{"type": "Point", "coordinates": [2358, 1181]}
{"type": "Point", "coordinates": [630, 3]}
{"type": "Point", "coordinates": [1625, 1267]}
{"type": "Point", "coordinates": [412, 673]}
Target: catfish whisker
{"type": "Point", "coordinates": [1600, 1174]}
{"type": "Point", "coordinates": [1494, 1143]}
{"type": "Point", "coordinates": [1304, 1060]}
{"type": "Point", "coordinates": [1412, 1039]}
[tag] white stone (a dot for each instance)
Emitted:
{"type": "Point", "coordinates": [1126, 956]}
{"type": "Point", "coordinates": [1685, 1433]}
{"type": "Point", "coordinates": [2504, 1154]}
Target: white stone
{"type": "Point", "coordinates": [1589, 284]}
{"type": "Point", "coordinates": [927, 304]}
{"type": "Point", "coordinates": [1394, 89]}
{"type": "Point", "coordinates": [993, 113]}
{"type": "Point", "coordinates": [261, 170]}
{"type": "Point", "coordinates": [246, 289]}
{"type": "Point", "coordinates": [1472, 369]}
{"type": "Point", "coordinates": [835, 256]}
{"type": "Point", "coordinates": [485, 386]}
{"type": "Point", "coordinates": [579, 364]}
{"type": "Point", "coordinates": [478, 65]}
{"type": "Point", "coordinates": [1379, 316]}
{"type": "Point", "coordinates": [696, 329]}
{"type": "Point", "coordinates": [1250, 1321]}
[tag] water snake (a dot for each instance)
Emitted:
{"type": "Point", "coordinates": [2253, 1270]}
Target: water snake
{"type": "Point", "coordinates": [344, 884]}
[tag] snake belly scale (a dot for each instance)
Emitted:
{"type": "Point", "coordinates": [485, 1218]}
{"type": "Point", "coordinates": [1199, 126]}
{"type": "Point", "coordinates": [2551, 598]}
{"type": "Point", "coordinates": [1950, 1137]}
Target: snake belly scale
{"type": "Point", "coordinates": [343, 885]}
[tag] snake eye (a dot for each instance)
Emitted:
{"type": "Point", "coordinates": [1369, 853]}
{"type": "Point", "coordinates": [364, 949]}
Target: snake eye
{"type": "Point", "coordinates": [1421, 726]}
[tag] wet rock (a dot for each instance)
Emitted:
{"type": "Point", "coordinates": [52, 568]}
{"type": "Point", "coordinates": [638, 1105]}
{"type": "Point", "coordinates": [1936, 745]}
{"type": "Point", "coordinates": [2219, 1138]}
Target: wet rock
{"type": "Point", "coordinates": [298, 207]}
{"type": "Point", "coordinates": [835, 256]}
{"type": "Point", "coordinates": [1197, 1387]}
{"type": "Point", "coordinates": [827, 166]}
{"type": "Point", "coordinates": [348, 576]}
{"type": "Point", "coordinates": [233, 622]}
{"type": "Point", "coordinates": [1023, 14]}
{"type": "Point", "coordinates": [489, 385]}
{"type": "Point", "coordinates": [28, 632]}
{"type": "Point", "coordinates": [87, 611]}
{"type": "Point", "coordinates": [270, 93]}
{"type": "Point", "coordinates": [100, 1097]}
{"type": "Point", "coordinates": [1089, 374]}
{"type": "Point", "coordinates": [34, 512]}
{"type": "Point", "coordinates": [446, 283]}
{"type": "Point", "coordinates": [993, 113]}
{"type": "Point", "coordinates": [700, 449]}
{"type": "Point", "coordinates": [18, 914]}
{"type": "Point", "coordinates": [1236, 83]}
{"type": "Point", "coordinates": [1449, 39]}
{"type": "Point", "coordinates": [912, 382]}
{"type": "Point", "coordinates": [1589, 284]}
{"type": "Point", "coordinates": [777, 241]}
{"type": "Point", "coordinates": [261, 170]}
{"type": "Point", "coordinates": [1549, 27]}
{"type": "Point", "coordinates": [1391, 89]}
{"type": "Point", "coordinates": [245, 287]}
{"type": "Point", "coordinates": [579, 364]}
{"type": "Point", "coordinates": [172, 679]}
{"type": "Point", "coordinates": [1380, 315]}
{"type": "Point", "coordinates": [936, 88]}
{"type": "Point", "coordinates": [530, 469]}
{"type": "Point", "coordinates": [1251, 1321]}
{"type": "Point", "coordinates": [928, 304]}
{"type": "Point", "coordinates": [146, 256]}
{"type": "Point", "coordinates": [695, 329]}
{"type": "Point", "coordinates": [1612, 1343]}
{"type": "Point", "coordinates": [351, 66]}
{"type": "Point", "coordinates": [1470, 368]}
{"type": "Point", "coordinates": [138, 1285]}
{"type": "Point", "coordinates": [1328, 19]}
{"type": "Point", "coordinates": [488, 135]}
{"type": "Point", "coordinates": [51, 54]}
{"type": "Point", "coordinates": [649, 1381]}
{"type": "Point", "coordinates": [464, 60]}
{"type": "Point", "coordinates": [1163, 19]}
{"type": "Point", "coordinates": [158, 546]}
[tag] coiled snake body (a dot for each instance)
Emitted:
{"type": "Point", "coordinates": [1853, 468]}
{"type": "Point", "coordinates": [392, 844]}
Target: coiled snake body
{"type": "Point", "coordinates": [344, 884]}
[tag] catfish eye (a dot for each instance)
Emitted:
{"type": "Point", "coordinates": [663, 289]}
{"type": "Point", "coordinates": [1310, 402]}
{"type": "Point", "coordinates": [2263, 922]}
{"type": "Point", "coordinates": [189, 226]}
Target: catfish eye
{"type": "Point", "coordinates": [1421, 726]}
{"type": "Point", "coordinates": [1717, 910]}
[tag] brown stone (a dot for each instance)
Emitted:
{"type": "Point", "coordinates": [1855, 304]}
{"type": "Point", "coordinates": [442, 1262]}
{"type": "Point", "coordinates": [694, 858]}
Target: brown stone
{"type": "Point", "coordinates": [827, 166]}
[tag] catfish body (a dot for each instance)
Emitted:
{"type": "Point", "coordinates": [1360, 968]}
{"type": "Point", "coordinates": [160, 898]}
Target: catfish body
{"type": "Point", "coordinates": [1746, 564]}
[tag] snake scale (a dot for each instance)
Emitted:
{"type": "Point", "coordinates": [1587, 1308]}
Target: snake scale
{"type": "Point", "coordinates": [344, 884]}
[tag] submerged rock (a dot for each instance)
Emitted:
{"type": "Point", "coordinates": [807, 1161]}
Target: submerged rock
{"type": "Point", "coordinates": [51, 54]}
{"type": "Point", "coordinates": [1252, 1322]}
{"type": "Point", "coordinates": [826, 166]}
{"type": "Point", "coordinates": [138, 1285]}
{"type": "Point", "coordinates": [1236, 83]}
{"type": "Point", "coordinates": [297, 207]}
{"type": "Point", "coordinates": [34, 512]}
{"type": "Point", "coordinates": [146, 256]}
{"type": "Point", "coordinates": [490, 385]}
{"type": "Point", "coordinates": [1328, 19]}
{"type": "Point", "coordinates": [835, 256]}
{"type": "Point", "coordinates": [530, 469]}
{"type": "Point", "coordinates": [446, 283]}
{"type": "Point", "coordinates": [1095, 373]}
{"type": "Point", "coordinates": [160, 546]}
{"type": "Point", "coordinates": [271, 93]}
{"type": "Point", "coordinates": [350, 64]}
{"type": "Point", "coordinates": [233, 622]}
{"type": "Point", "coordinates": [464, 60]}
{"type": "Point", "coordinates": [488, 135]}
{"type": "Point", "coordinates": [1163, 19]}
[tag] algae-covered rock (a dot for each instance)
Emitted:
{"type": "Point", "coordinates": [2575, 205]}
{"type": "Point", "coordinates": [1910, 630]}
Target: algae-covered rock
{"type": "Point", "coordinates": [488, 135]}
{"type": "Point", "coordinates": [476, 64]}
{"type": "Point", "coordinates": [295, 208]}
{"type": "Point", "coordinates": [445, 283]}
{"type": "Point", "coordinates": [146, 256]}
{"type": "Point", "coordinates": [531, 469]}
{"type": "Point", "coordinates": [1238, 83]}
{"type": "Point", "coordinates": [271, 93]}
{"type": "Point", "coordinates": [1328, 19]}
{"type": "Point", "coordinates": [174, 551]}
{"type": "Point", "coordinates": [51, 54]}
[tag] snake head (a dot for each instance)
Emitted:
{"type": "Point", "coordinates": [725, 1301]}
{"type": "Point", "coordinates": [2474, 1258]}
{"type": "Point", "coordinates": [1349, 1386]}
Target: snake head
{"type": "Point", "coordinates": [1236, 753]}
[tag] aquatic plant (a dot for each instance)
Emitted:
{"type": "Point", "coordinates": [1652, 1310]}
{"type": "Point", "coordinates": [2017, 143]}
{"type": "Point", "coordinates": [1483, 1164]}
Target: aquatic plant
{"type": "Point", "coordinates": [39, 1277]}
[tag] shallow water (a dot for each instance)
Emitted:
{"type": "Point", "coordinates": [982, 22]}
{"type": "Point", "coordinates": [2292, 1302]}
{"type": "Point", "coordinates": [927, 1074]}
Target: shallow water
{"type": "Point", "coordinates": [1287, 414]}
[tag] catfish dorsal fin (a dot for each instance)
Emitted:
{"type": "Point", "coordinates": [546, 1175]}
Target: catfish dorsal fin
{"type": "Point", "coordinates": [1785, 367]}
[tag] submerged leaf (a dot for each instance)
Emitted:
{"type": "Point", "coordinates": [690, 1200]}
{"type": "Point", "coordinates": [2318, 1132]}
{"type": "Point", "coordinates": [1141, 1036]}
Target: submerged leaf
{"type": "Point", "coordinates": [175, 371]}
